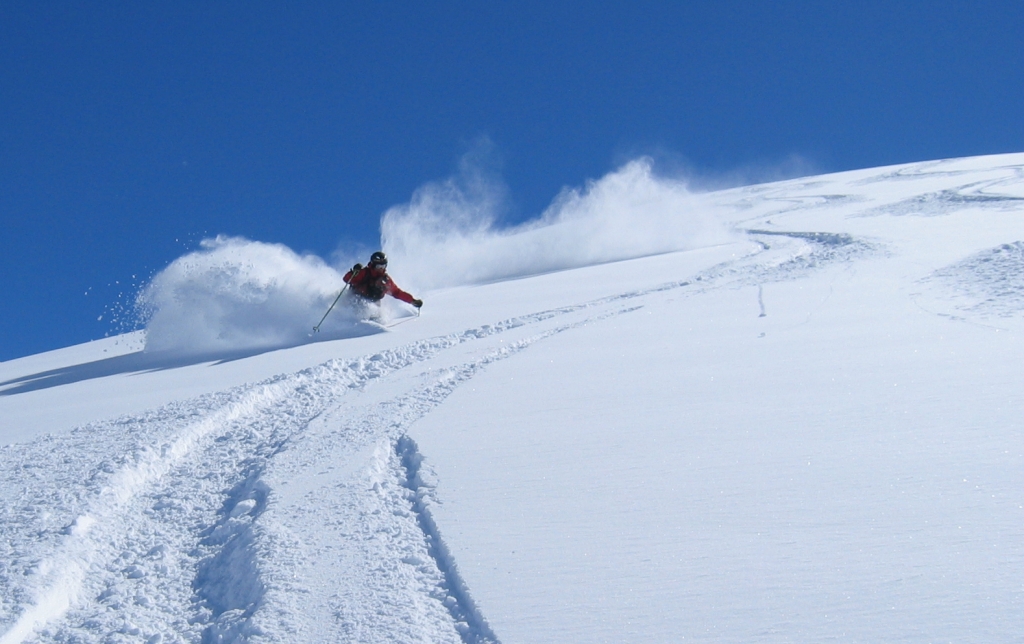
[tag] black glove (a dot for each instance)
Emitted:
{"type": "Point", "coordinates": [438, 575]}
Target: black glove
{"type": "Point", "coordinates": [417, 303]}
{"type": "Point", "coordinates": [358, 267]}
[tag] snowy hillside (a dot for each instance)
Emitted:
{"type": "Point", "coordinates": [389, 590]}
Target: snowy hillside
{"type": "Point", "coordinates": [785, 412]}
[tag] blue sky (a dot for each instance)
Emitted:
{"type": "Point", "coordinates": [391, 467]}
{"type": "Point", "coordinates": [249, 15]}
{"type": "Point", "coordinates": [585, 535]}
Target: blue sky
{"type": "Point", "coordinates": [129, 131]}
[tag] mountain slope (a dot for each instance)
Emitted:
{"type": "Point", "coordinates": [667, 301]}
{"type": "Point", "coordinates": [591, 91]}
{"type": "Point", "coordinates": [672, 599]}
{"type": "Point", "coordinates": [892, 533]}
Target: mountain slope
{"type": "Point", "coordinates": [808, 432]}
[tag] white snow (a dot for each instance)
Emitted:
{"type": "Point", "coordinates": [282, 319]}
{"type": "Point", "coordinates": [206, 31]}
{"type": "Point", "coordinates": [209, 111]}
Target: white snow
{"type": "Point", "coordinates": [447, 235]}
{"type": "Point", "coordinates": [794, 416]}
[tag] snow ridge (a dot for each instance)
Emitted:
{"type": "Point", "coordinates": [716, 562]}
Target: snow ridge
{"type": "Point", "coordinates": [473, 627]}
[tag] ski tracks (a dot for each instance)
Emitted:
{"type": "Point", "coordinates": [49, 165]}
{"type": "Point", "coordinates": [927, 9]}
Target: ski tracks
{"type": "Point", "coordinates": [292, 509]}
{"type": "Point", "coordinates": [380, 515]}
{"type": "Point", "coordinates": [151, 528]}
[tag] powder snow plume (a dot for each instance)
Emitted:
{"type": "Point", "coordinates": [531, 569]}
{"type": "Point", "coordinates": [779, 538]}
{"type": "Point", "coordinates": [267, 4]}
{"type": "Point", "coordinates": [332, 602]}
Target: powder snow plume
{"type": "Point", "coordinates": [235, 294]}
{"type": "Point", "coordinates": [447, 235]}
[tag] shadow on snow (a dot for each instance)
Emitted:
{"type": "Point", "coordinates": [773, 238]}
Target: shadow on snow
{"type": "Point", "coordinates": [145, 362]}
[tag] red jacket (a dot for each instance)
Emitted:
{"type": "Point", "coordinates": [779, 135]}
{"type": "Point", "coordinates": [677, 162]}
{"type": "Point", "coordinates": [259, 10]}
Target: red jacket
{"type": "Point", "coordinates": [374, 283]}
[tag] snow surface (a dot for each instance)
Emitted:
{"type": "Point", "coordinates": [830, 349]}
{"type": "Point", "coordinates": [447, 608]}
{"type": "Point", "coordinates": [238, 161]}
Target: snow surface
{"type": "Point", "coordinates": [795, 416]}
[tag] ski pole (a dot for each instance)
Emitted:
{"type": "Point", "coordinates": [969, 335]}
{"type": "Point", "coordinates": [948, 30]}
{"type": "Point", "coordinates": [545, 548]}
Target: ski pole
{"type": "Point", "coordinates": [316, 329]}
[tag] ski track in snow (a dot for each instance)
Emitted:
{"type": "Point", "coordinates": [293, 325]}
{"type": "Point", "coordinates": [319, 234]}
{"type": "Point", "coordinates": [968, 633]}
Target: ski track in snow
{"type": "Point", "coordinates": [1001, 193]}
{"type": "Point", "coordinates": [989, 283]}
{"type": "Point", "coordinates": [148, 527]}
{"type": "Point", "coordinates": [165, 522]}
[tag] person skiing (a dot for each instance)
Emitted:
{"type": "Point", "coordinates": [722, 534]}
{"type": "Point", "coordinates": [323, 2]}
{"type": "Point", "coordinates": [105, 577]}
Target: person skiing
{"type": "Point", "coordinates": [373, 282]}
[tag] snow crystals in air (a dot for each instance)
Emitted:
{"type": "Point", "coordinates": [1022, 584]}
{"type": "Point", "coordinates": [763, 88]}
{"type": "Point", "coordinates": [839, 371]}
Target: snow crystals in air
{"type": "Point", "coordinates": [448, 235]}
{"type": "Point", "coordinates": [235, 294]}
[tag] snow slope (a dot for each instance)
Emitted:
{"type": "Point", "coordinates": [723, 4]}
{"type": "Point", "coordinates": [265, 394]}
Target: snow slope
{"type": "Point", "coordinates": [804, 429]}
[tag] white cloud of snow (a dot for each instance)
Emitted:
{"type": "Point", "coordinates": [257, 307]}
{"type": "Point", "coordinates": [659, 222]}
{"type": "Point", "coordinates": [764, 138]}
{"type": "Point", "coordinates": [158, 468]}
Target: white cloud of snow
{"type": "Point", "coordinates": [448, 235]}
{"type": "Point", "coordinates": [234, 294]}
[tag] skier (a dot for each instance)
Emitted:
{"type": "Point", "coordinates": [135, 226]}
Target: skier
{"type": "Point", "coordinates": [373, 282]}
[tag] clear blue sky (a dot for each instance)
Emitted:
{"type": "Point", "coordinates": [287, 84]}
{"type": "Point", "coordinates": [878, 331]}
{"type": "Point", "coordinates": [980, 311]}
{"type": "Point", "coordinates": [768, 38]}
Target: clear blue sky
{"type": "Point", "coordinates": [130, 130]}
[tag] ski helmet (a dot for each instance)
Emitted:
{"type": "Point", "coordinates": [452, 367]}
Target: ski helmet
{"type": "Point", "coordinates": [378, 259]}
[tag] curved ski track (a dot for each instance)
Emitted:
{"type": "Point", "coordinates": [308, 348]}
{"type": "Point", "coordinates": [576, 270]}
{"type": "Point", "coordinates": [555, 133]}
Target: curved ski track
{"type": "Point", "coordinates": [148, 527]}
